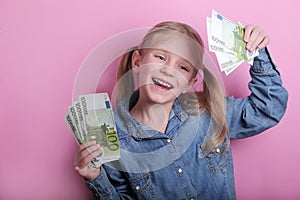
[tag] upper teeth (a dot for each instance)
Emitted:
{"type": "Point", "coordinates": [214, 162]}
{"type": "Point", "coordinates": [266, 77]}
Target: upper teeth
{"type": "Point", "coordinates": [160, 82]}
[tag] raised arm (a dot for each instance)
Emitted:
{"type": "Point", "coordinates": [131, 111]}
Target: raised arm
{"type": "Point", "coordinates": [266, 104]}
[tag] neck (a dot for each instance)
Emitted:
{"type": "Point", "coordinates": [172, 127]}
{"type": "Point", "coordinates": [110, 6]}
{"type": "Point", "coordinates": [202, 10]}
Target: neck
{"type": "Point", "coordinates": [154, 115]}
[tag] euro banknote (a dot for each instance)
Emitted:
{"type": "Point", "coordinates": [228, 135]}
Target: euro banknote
{"type": "Point", "coordinates": [91, 118]}
{"type": "Point", "coordinates": [226, 40]}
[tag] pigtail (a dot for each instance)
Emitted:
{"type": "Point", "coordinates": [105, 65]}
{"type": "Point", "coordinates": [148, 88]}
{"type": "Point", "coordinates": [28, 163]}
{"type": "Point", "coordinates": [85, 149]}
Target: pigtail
{"type": "Point", "coordinates": [125, 81]}
{"type": "Point", "coordinates": [213, 97]}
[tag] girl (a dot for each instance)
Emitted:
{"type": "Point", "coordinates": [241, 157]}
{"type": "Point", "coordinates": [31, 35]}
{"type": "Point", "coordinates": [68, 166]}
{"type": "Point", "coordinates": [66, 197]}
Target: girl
{"type": "Point", "coordinates": [174, 142]}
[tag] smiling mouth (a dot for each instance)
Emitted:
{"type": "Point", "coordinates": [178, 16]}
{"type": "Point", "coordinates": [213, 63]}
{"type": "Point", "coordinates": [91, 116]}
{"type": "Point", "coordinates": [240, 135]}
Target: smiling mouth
{"type": "Point", "coordinates": [162, 83]}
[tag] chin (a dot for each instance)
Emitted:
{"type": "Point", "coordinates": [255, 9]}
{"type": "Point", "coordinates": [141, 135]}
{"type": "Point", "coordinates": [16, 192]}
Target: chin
{"type": "Point", "coordinates": [159, 96]}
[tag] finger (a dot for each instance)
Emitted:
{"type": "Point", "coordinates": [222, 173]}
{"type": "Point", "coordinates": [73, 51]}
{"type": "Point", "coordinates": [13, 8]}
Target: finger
{"type": "Point", "coordinates": [86, 144]}
{"type": "Point", "coordinates": [264, 43]}
{"type": "Point", "coordinates": [248, 31]}
{"type": "Point", "coordinates": [260, 42]}
{"type": "Point", "coordinates": [95, 150]}
{"type": "Point", "coordinates": [254, 40]}
{"type": "Point", "coordinates": [90, 150]}
{"type": "Point", "coordinates": [80, 153]}
{"type": "Point", "coordinates": [84, 161]}
{"type": "Point", "coordinates": [79, 171]}
{"type": "Point", "coordinates": [257, 37]}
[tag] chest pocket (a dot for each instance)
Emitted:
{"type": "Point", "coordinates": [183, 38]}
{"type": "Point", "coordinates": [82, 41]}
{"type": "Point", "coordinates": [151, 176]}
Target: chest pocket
{"type": "Point", "coordinates": [217, 160]}
{"type": "Point", "coordinates": [140, 184]}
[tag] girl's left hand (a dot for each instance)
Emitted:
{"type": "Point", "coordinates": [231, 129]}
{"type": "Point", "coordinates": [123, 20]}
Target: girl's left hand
{"type": "Point", "coordinates": [255, 37]}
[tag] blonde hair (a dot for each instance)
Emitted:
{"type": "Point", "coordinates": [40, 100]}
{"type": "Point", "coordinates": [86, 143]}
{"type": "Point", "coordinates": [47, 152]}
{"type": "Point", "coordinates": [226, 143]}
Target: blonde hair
{"type": "Point", "coordinates": [210, 99]}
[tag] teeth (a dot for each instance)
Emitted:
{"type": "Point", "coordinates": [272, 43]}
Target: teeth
{"type": "Point", "coordinates": [162, 83]}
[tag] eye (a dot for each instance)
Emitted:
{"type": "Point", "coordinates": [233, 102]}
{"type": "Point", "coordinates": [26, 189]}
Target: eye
{"type": "Point", "coordinates": [183, 68]}
{"type": "Point", "coordinates": [160, 57]}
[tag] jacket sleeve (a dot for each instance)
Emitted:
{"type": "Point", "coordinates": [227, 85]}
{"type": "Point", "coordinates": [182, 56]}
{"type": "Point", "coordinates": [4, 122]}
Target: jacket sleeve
{"type": "Point", "coordinates": [109, 184]}
{"type": "Point", "coordinates": [266, 104]}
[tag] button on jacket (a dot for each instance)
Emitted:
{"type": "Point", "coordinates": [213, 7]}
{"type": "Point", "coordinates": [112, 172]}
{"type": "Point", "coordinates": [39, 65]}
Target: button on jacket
{"type": "Point", "coordinates": [172, 165]}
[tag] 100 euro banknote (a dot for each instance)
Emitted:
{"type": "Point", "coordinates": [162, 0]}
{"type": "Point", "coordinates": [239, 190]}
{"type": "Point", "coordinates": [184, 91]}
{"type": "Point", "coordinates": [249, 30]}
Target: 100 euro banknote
{"type": "Point", "coordinates": [226, 40]}
{"type": "Point", "coordinates": [95, 121]}
{"type": "Point", "coordinates": [227, 61]}
{"type": "Point", "coordinates": [230, 36]}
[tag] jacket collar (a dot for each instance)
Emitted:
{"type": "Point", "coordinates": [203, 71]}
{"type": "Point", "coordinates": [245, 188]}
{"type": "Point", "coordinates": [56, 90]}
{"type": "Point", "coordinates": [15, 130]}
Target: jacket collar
{"type": "Point", "coordinates": [138, 130]}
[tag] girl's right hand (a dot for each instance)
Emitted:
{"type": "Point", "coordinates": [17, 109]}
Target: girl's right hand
{"type": "Point", "coordinates": [85, 154]}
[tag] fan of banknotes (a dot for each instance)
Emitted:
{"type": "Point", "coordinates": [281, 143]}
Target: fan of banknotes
{"type": "Point", "coordinates": [225, 39]}
{"type": "Point", "coordinates": [91, 118]}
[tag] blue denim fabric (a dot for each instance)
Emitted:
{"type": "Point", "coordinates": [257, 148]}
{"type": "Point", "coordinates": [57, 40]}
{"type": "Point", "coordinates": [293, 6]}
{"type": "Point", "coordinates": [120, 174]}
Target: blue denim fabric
{"type": "Point", "coordinates": [155, 165]}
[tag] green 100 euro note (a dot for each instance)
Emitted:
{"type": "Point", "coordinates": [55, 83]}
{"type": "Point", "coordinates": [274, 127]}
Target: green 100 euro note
{"type": "Point", "coordinates": [227, 60]}
{"type": "Point", "coordinates": [98, 122]}
{"type": "Point", "coordinates": [226, 39]}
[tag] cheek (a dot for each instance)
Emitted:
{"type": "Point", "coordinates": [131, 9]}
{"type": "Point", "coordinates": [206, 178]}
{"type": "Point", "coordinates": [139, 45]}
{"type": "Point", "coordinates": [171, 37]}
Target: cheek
{"type": "Point", "coordinates": [145, 72]}
{"type": "Point", "coordinates": [183, 80]}
{"type": "Point", "coordinates": [185, 76]}
{"type": "Point", "coordinates": [147, 69]}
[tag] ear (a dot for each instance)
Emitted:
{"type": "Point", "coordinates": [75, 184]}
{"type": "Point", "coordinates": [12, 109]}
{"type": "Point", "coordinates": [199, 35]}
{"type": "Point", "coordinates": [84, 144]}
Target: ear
{"type": "Point", "coordinates": [135, 59]}
{"type": "Point", "coordinates": [192, 81]}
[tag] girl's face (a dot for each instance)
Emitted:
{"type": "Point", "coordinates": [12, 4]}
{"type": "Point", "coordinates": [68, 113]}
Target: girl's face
{"type": "Point", "coordinates": [162, 76]}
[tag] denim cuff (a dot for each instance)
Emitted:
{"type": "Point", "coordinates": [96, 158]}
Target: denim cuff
{"type": "Point", "coordinates": [263, 62]}
{"type": "Point", "coordinates": [100, 186]}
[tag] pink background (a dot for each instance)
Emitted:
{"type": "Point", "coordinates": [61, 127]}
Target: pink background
{"type": "Point", "coordinates": [43, 44]}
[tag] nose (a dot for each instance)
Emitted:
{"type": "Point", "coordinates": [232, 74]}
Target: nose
{"type": "Point", "coordinates": [169, 67]}
{"type": "Point", "coordinates": [167, 70]}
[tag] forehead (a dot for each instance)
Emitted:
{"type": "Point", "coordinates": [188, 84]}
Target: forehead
{"type": "Point", "coordinates": [176, 43]}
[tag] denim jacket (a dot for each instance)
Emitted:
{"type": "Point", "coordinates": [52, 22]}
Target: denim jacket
{"type": "Point", "coordinates": [172, 165]}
